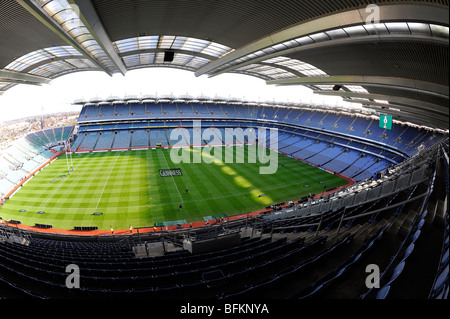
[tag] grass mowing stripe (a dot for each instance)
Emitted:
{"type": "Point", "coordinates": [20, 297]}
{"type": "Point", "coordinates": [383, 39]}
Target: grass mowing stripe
{"type": "Point", "coordinates": [169, 202]}
{"type": "Point", "coordinates": [173, 179]}
{"type": "Point", "coordinates": [224, 176]}
{"type": "Point", "coordinates": [103, 190]}
{"type": "Point", "coordinates": [134, 192]}
{"type": "Point", "coordinates": [38, 189]}
{"type": "Point", "coordinates": [54, 192]}
{"type": "Point", "coordinates": [201, 187]}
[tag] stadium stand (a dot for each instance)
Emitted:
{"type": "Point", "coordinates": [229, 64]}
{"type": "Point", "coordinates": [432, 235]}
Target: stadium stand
{"type": "Point", "coordinates": [122, 139]}
{"type": "Point", "coordinates": [335, 142]}
{"type": "Point", "coordinates": [310, 250]}
{"type": "Point", "coordinates": [382, 236]}
{"type": "Point", "coordinates": [105, 141]}
{"type": "Point", "coordinates": [139, 138]}
{"type": "Point", "coordinates": [25, 155]}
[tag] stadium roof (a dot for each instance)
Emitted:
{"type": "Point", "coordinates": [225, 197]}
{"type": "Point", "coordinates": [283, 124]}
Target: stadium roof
{"type": "Point", "coordinates": [390, 56]}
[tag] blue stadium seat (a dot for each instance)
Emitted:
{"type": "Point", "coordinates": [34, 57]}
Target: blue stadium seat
{"type": "Point", "coordinates": [396, 272]}
{"type": "Point", "coordinates": [384, 292]}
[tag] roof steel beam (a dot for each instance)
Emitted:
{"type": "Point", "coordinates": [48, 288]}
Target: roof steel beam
{"type": "Point", "coordinates": [39, 13]}
{"type": "Point", "coordinates": [21, 78]}
{"type": "Point", "coordinates": [408, 85]}
{"type": "Point", "coordinates": [156, 50]}
{"type": "Point", "coordinates": [391, 107]}
{"type": "Point", "coordinates": [395, 13]}
{"type": "Point", "coordinates": [337, 42]}
{"type": "Point", "coordinates": [413, 116]}
{"type": "Point", "coordinates": [400, 101]}
{"type": "Point", "coordinates": [418, 119]}
{"type": "Point", "coordinates": [47, 61]}
{"type": "Point", "coordinates": [93, 23]}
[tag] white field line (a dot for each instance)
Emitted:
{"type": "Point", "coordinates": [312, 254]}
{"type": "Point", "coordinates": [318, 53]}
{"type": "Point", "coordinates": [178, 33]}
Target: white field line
{"type": "Point", "coordinates": [188, 201]}
{"type": "Point", "coordinates": [104, 186]}
{"type": "Point", "coordinates": [173, 179]}
{"type": "Point", "coordinates": [54, 192]}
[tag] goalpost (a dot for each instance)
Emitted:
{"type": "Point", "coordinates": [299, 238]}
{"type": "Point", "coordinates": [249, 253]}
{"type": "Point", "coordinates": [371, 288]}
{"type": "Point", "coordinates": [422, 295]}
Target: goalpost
{"type": "Point", "coordinates": [67, 149]}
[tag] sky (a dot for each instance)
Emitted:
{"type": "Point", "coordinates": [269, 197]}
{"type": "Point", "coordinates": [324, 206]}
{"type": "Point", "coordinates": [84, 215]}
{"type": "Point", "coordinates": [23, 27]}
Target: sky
{"type": "Point", "coordinates": [60, 94]}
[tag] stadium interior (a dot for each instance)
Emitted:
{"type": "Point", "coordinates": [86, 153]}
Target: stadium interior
{"type": "Point", "coordinates": [389, 56]}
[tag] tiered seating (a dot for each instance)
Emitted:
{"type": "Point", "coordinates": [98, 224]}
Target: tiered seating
{"type": "Point", "coordinates": [78, 140]}
{"type": "Point", "coordinates": [331, 147]}
{"type": "Point", "coordinates": [120, 111]}
{"type": "Point", "coordinates": [175, 110]}
{"type": "Point", "coordinates": [122, 139]}
{"type": "Point", "coordinates": [105, 140]}
{"type": "Point", "coordinates": [230, 111]}
{"type": "Point", "coordinates": [440, 286]}
{"type": "Point", "coordinates": [323, 283]}
{"type": "Point", "coordinates": [286, 258]}
{"type": "Point", "coordinates": [329, 153]}
{"type": "Point", "coordinates": [25, 155]}
{"type": "Point", "coordinates": [201, 111]}
{"type": "Point", "coordinates": [88, 141]}
{"type": "Point", "coordinates": [311, 150]}
{"type": "Point", "coordinates": [397, 264]}
{"type": "Point", "coordinates": [345, 159]}
{"type": "Point", "coordinates": [296, 148]}
{"type": "Point", "coordinates": [358, 166]}
{"type": "Point", "coordinates": [62, 133]}
{"type": "Point", "coordinates": [215, 110]}
{"type": "Point", "coordinates": [42, 138]}
{"type": "Point", "coordinates": [402, 138]}
{"type": "Point", "coordinates": [177, 137]}
{"type": "Point", "coordinates": [90, 113]}
{"type": "Point", "coordinates": [138, 111]}
{"type": "Point", "coordinates": [330, 219]}
{"type": "Point", "coordinates": [140, 138]}
{"type": "Point", "coordinates": [111, 268]}
{"type": "Point", "coordinates": [158, 136]}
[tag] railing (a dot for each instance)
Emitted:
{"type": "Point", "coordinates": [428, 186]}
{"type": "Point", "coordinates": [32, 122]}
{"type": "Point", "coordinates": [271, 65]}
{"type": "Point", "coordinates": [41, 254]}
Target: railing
{"type": "Point", "coordinates": [411, 174]}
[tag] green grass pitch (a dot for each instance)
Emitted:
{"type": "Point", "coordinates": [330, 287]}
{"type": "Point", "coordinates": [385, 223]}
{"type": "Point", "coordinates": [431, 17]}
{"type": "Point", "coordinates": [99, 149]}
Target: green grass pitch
{"type": "Point", "coordinates": [127, 188]}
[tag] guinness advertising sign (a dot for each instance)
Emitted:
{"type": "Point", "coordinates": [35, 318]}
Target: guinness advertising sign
{"type": "Point", "coordinates": [170, 172]}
